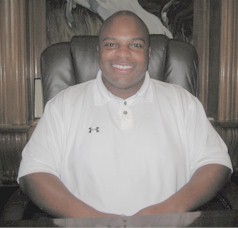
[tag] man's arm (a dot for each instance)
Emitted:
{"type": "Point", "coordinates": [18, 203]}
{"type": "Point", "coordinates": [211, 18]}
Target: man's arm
{"type": "Point", "coordinates": [50, 194]}
{"type": "Point", "coordinates": [203, 186]}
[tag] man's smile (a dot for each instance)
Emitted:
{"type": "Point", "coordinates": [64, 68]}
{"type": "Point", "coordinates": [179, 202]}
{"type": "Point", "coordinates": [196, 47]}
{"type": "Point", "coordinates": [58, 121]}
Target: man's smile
{"type": "Point", "coordinates": [122, 67]}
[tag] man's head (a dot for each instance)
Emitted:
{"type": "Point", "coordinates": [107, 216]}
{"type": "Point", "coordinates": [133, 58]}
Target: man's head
{"type": "Point", "coordinates": [123, 53]}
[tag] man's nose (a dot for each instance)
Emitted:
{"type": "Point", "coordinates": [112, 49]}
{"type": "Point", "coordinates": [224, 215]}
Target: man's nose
{"type": "Point", "coordinates": [124, 51]}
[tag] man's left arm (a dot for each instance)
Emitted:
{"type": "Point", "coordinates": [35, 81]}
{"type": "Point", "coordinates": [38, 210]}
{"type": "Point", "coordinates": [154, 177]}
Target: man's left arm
{"type": "Point", "coordinates": [203, 186]}
{"type": "Point", "coordinates": [210, 165]}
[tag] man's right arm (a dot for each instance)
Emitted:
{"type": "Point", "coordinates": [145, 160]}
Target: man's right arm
{"type": "Point", "coordinates": [51, 195]}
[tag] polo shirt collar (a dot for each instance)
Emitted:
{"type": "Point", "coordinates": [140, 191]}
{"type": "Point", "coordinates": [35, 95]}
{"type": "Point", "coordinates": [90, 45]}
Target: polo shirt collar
{"type": "Point", "coordinates": [102, 95]}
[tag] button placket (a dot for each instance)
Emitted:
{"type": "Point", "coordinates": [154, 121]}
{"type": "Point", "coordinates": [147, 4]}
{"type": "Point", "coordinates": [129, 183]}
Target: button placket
{"type": "Point", "coordinates": [125, 116]}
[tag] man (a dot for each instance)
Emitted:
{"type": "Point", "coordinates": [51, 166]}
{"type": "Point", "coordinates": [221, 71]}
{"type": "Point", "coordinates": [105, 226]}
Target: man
{"type": "Point", "coordinates": [123, 144]}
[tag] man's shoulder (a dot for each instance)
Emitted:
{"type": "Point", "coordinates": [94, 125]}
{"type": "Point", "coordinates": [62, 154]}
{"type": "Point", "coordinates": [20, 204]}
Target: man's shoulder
{"type": "Point", "coordinates": [167, 87]}
{"type": "Point", "coordinates": [73, 93]}
{"type": "Point", "coordinates": [172, 93]}
{"type": "Point", "coordinates": [78, 88]}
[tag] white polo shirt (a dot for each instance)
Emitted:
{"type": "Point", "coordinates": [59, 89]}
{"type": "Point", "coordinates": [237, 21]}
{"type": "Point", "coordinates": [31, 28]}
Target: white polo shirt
{"type": "Point", "coordinates": [120, 156]}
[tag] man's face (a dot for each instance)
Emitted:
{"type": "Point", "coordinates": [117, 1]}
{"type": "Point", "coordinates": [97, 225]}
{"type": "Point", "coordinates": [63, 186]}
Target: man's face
{"type": "Point", "coordinates": [123, 56]}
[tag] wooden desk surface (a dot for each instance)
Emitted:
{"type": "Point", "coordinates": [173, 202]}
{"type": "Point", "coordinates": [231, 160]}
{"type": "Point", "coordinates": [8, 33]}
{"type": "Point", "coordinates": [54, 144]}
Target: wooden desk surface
{"type": "Point", "coordinates": [192, 219]}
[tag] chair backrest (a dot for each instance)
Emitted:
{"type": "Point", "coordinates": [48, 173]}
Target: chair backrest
{"type": "Point", "coordinates": [68, 63]}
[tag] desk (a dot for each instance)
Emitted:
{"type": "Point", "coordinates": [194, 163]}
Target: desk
{"type": "Point", "coordinates": [191, 219]}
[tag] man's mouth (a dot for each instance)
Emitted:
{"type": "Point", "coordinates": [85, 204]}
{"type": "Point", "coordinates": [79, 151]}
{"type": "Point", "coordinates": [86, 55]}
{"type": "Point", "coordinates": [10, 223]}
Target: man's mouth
{"type": "Point", "coordinates": [122, 67]}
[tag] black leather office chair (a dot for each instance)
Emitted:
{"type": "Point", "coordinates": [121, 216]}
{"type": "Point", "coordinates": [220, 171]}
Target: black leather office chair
{"type": "Point", "coordinates": [69, 63]}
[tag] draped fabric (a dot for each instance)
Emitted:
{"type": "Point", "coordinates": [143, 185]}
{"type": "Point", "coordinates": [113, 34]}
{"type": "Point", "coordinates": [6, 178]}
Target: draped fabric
{"type": "Point", "coordinates": [107, 7]}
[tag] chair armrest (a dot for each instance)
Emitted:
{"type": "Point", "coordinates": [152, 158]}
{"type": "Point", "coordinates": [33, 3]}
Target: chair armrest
{"type": "Point", "coordinates": [15, 207]}
{"type": "Point", "coordinates": [20, 207]}
{"type": "Point", "coordinates": [230, 193]}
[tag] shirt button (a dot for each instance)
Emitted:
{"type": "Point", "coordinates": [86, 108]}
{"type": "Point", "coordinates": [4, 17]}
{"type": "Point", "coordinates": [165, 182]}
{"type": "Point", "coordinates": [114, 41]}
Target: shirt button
{"type": "Point", "coordinates": [125, 103]}
{"type": "Point", "coordinates": [125, 112]}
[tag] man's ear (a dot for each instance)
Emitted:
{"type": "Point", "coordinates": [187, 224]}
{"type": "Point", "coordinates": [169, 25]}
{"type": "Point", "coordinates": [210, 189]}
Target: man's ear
{"type": "Point", "coordinates": [97, 50]}
{"type": "Point", "coordinates": [149, 52]}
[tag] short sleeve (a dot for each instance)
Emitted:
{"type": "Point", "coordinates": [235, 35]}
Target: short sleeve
{"type": "Point", "coordinates": [43, 150]}
{"type": "Point", "coordinates": [205, 144]}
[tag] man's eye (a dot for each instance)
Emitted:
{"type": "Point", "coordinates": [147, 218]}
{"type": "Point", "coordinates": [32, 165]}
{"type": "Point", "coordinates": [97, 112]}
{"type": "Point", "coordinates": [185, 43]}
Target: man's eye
{"type": "Point", "coordinates": [110, 45]}
{"type": "Point", "coordinates": [136, 46]}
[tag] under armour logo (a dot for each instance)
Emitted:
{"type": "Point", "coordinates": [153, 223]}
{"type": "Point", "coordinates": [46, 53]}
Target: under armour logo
{"type": "Point", "coordinates": [93, 130]}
